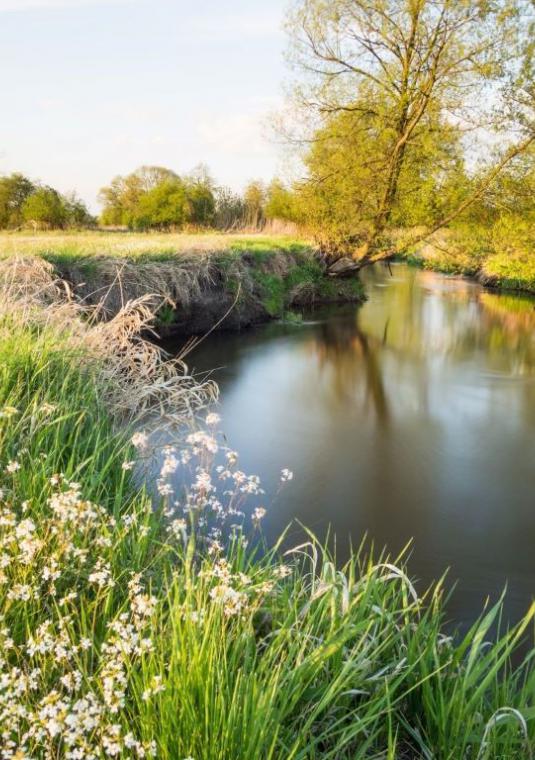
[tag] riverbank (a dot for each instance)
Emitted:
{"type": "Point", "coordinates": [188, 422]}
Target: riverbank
{"type": "Point", "coordinates": [196, 282]}
{"type": "Point", "coordinates": [501, 257]}
{"type": "Point", "coordinates": [130, 631]}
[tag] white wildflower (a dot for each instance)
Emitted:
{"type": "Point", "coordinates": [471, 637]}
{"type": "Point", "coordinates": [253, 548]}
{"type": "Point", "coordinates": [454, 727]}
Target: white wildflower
{"type": "Point", "coordinates": [140, 440]}
{"type": "Point", "coordinates": [101, 575]}
{"type": "Point", "coordinates": [258, 514]}
{"type": "Point", "coordinates": [164, 489]}
{"type": "Point", "coordinates": [169, 466]}
{"type": "Point", "coordinates": [201, 442]}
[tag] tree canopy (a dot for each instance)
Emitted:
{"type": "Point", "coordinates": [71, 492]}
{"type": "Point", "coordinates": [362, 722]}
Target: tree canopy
{"type": "Point", "coordinates": [403, 98]}
{"type": "Point", "coordinates": [23, 202]}
{"type": "Point", "coordinates": [153, 197]}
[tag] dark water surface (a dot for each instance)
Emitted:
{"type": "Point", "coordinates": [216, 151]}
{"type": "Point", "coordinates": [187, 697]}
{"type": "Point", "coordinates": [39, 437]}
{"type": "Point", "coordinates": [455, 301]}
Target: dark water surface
{"type": "Point", "coordinates": [412, 416]}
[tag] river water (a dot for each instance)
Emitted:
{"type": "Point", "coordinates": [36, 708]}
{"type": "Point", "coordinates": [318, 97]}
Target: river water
{"type": "Point", "coordinates": [410, 417]}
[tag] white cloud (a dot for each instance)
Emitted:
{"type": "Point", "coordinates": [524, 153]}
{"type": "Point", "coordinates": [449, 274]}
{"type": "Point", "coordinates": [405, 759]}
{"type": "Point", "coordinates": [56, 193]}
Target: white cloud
{"type": "Point", "coordinates": [262, 22]}
{"type": "Point", "coordinates": [27, 5]}
{"type": "Point", "coordinates": [242, 132]}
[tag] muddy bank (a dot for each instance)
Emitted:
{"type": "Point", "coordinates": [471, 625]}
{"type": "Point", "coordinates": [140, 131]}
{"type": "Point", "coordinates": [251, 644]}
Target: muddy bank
{"type": "Point", "coordinates": [232, 290]}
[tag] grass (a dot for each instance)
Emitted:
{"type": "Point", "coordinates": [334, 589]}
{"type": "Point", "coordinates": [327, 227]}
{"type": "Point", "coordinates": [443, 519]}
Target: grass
{"type": "Point", "coordinates": [502, 256]}
{"type": "Point", "coordinates": [64, 247]}
{"type": "Point", "coordinates": [304, 283]}
{"type": "Point", "coordinates": [131, 628]}
{"type": "Point", "coordinates": [269, 271]}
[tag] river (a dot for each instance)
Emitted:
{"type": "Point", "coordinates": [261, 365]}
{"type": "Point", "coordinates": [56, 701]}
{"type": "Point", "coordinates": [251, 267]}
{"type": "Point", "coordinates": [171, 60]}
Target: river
{"type": "Point", "coordinates": [410, 417]}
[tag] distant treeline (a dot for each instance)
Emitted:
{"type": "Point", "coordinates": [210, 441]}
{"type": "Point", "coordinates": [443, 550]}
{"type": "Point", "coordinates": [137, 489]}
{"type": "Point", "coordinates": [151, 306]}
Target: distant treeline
{"type": "Point", "coordinates": [150, 198]}
{"type": "Point", "coordinates": [24, 203]}
{"type": "Point", "coordinates": [153, 197]}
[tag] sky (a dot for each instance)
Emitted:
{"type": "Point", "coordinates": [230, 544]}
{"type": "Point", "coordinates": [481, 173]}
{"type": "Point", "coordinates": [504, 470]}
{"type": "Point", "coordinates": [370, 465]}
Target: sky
{"type": "Point", "coordinates": [95, 88]}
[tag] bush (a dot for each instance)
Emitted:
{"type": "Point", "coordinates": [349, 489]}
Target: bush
{"type": "Point", "coordinates": [154, 197]}
{"type": "Point", "coordinates": [45, 208]}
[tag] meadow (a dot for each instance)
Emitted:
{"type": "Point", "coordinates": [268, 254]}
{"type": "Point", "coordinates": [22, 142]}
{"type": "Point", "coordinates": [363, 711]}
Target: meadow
{"type": "Point", "coordinates": [500, 257]}
{"type": "Point", "coordinates": [60, 246]}
{"type": "Point", "coordinates": [138, 624]}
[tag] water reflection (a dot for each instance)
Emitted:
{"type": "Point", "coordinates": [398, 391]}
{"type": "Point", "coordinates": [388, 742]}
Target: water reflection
{"type": "Point", "coordinates": [412, 416]}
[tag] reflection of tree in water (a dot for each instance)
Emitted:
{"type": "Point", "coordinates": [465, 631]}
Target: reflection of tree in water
{"type": "Point", "coordinates": [510, 324]}
{"type": "Point", "coordinates": [417, 320]}
{"type": "Point", "coordinates": [452, 317]}
{"type": "Point", "coordinates": [353, 356]}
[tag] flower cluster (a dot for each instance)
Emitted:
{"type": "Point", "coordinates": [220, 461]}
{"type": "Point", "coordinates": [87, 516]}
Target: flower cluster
{"type": "Point", "coordinates": [237, 593]}
{"type": "Point", "coordinates": [77, 646]}
{"type": "Point", "coordinates": [189, 480]}
{"type": "Point", "coordinates": [63, 681]}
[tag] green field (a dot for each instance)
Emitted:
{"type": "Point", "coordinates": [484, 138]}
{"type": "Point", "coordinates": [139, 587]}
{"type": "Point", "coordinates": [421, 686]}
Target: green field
{"type": "Point", "coordinates": [58, 246]}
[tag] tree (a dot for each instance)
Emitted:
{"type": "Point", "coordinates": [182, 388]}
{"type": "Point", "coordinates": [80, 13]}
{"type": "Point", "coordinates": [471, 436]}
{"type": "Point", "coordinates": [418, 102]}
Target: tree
{"type": "Point", "coordinates": [45, 208]}
{"type": "Point", "coordinates": [163, 206]}
{"type": "Point", "coordinates": [14, 190]}
{"type": "Point", "coordinates": [397, 68]}
{"type": "Point", "coordinates": [201, 195]}
{"type": "Point", "coordinates": [121, 198]}
{"type": "Point", "coordinates": [280, 202]}
{"type": "Point", "coordinates": [342, 195]}
{"type": "Point", "coordinates": [25, 202]}
{"type": "Point", "coordinates": [229, 209]}
{"type": "Point", "coordinates": [254, 198]}
{"type": "Point", "coordinates": [77, 212]}
{"type": "Point", "coordinates": [156, 197]}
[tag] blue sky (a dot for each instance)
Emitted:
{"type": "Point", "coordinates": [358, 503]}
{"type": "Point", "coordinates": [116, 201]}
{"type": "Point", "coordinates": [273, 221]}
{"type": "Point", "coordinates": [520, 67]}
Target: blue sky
{"type": "Point", "coordinates": [95, 88]}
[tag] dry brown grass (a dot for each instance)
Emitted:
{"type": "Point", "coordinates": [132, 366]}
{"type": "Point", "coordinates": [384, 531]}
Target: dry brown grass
{"type": "Point", "coordinates": [137, 377]}
{"type": "Point", "coordinates": [111, 283]}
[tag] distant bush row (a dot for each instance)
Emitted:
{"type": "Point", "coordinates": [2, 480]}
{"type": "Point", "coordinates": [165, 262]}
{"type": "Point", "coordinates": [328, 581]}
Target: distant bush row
{"type": "Point", "coordinates": [153, 197]}
{"type": "Point", "coordinates": [150, 198]}
{"type": "Point", "coordinates": [24, 203]}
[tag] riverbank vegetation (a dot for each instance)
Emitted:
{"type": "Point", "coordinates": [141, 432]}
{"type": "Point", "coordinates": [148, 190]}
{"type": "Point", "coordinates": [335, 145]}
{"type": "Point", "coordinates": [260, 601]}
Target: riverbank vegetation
{"type": "Point", "coordinates": [500, 254]}
{"type": "Point", "coordinates": [196, 282]}
{"type": "Point", "coordinates": [138, 624]}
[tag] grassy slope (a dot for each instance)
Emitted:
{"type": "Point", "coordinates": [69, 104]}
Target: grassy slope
{"type": "Point", "coordinates": [274, 271]}
{"type": "Point", "coordinates": [210, 656]}
{"type": "Point", "coordinates": [503, 256]}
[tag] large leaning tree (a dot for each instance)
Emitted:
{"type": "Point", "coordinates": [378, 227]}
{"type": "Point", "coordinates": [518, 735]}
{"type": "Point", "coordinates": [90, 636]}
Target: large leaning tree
{"type": "Point", "coordinates": [411, 84]}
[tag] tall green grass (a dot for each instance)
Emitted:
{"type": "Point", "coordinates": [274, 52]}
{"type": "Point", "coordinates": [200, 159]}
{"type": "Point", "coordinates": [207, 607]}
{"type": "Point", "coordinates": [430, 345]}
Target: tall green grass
{"type": "Point", "coordinates": [124, 632]}
{"type": "Point", "coordinates": [500, 255]}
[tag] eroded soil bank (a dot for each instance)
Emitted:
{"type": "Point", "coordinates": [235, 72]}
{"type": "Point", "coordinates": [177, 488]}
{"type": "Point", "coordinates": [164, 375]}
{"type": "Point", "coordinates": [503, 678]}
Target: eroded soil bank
{"type": "Point", "coordinates": [228, 289]}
